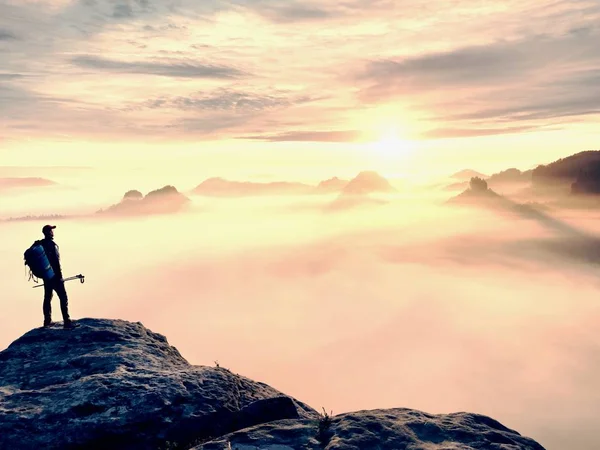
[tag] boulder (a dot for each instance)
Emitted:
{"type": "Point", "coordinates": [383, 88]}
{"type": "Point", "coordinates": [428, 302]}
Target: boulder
{"type": "Point", "coordinates": [112, 384]}
{"type": "Point", "coordinates": [379, 429]}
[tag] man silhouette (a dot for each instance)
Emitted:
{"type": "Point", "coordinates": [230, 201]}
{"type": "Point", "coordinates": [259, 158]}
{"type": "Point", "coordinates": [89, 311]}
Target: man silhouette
{"type": "Point", "coordinates": [56, 283]}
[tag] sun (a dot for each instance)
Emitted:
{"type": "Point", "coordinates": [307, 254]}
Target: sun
{"type": "Point", "coordinates": [392, 147]}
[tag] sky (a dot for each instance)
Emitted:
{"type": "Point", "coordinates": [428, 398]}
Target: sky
{"type": "Point", "coordinates": [245, 87]}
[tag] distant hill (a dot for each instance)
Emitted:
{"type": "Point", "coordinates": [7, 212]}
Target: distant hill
{"type": "Point", "coordinates": [34, 218]}
{"type": "Point", "coordinates": [160, 201]}
{"type": "Point", "coordinates": [565, 170]}
{"type": "Point", "coordinates": [467, 174]}
{"type": "Point", "coordinates": [368, 182]}
{"type": "Point", "coordinates": [24, 182]}
{"type": "Point", "coordinates": [510, 176]}
{"type": "Point", "coordinates": [220, 187]}
{"type": "Point", "coordinates": [332, 185]}
{"type": "Point", "coordinates": [587, 181]}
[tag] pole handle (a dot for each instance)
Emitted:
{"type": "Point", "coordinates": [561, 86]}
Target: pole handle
{"type": "Point", "coordinates": [80, 277]}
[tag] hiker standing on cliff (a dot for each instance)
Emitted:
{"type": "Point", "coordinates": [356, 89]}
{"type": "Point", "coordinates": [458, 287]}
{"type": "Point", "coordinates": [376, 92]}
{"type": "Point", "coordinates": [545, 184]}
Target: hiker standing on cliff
{"type": "Point", "coordinates": [56, 283]}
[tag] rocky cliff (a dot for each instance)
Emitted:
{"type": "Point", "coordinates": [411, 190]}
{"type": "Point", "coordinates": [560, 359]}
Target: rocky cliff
{"type": "Point", "coordinates": [112, 384]}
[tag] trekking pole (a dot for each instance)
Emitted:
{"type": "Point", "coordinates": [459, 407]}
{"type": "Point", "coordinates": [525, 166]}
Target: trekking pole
{"type": "Point", "coordinates": [79, 277]}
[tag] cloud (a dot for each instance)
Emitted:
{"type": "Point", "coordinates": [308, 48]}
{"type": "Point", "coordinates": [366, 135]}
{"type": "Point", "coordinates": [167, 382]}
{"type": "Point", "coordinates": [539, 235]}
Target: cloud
{"type": "Point", "coordinates": [481, 64]}
{"type": "Point", "coordinates": [211, 124]}
{"type": "Point", "coordinates": [575, 96]}
{"type": "Point", "coordinates": [497, 64]}
{"type": "Point", "coordinates": [96, 14]}
{"type": "Point", "coordinates": [291, 11]}
{"type": "Point", "coordinates": [7, 35]}
{"type": "Point", "coordinates": [529, 79]}
{"type": "Point", "coordinates": [123, 10]}
{"type": "Point", "coordinates": [515, 73]}
{"type": "Point", "coordinates": [443, 133]}
{"type": "Point", "coordinates": [310, 136]}
{"type": "Point", "coordinates": [165, 69]}
{"type": "Point", "coordinates": [221, 100]}
{"type": "Point", "coordinates": [9, 76]}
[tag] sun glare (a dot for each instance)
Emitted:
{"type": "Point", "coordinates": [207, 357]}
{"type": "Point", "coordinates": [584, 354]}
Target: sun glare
{"type": "Point", "coordinates": [391, 147]}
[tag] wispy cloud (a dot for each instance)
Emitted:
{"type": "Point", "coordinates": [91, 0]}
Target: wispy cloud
{"type": "Point", "coordinates": [169, 69]}
{"type": "Point", "coordinates": [308, 65]}
{"type": "Point", "coordinates": [291, 11]}
{"type": "Point", "coordinates": [444, 133]}
{"type": "Point", "coordinates": [530, 79]}
{"type": "Point", "coordinates": [7, 35]}
{"type": "Point", "coordinates": [220, 100]}
{"type": "Point", "coordinates": [310, 136]}
{"type": "Point", "coordinates": [498, 64]}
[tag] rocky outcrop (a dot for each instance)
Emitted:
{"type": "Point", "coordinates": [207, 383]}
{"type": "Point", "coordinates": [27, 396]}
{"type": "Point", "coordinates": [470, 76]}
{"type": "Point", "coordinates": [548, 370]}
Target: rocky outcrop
{"type": "Point", "coordinates": [160, 201]}
{"type": "Point", "coordinates": [479, 194]}
{"type": "Point", "coordinates": [112, 384]}
{"type": "Point", "coordinates": [379, 429]}
{"type": "Point", "coordinates": [367, 182]}
{"type": "Point", "coordinates": [133, 194]}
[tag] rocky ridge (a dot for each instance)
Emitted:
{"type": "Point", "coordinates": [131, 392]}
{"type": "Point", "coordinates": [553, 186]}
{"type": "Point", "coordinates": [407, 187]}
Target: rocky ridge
{"type": "Point", "coordinates": [112, 384]}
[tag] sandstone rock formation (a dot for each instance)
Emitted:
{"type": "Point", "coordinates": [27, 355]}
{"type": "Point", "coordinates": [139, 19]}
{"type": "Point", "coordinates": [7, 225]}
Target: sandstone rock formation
{"type": "Point", "coordinates": [379, 429]}
{"type": "Point", "coordinates": [112, 384]}
{"type": "Point", "coordinates": [165, 200]}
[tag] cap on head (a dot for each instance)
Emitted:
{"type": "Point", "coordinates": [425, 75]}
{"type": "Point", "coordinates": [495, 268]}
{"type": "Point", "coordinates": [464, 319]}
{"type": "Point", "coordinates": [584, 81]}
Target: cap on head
{"type": "Point", "coordinates": [46, 229]}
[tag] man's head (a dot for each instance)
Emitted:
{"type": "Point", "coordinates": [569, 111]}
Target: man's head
{"type": "Point", "coordinates": [48, 231]}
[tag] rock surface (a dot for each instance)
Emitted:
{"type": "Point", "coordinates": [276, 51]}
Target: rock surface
{"type": "Point", "coordinates": [111, 384]}
{"type": "Point", "coordinates": [379, 429]}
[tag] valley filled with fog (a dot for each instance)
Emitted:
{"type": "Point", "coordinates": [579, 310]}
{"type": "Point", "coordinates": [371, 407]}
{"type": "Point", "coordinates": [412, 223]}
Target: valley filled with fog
{"type": "Point", "coordinates": [391, 300]}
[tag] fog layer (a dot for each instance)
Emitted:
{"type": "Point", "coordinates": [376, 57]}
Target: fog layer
{"type": "Point", "coordinates": [407, 303]}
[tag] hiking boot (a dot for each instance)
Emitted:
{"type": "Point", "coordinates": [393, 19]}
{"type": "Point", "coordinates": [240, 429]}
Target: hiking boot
{"type": "Point", "coordinates": [48, 323]}
{"type": "Point", "coordinates": [70, 325]}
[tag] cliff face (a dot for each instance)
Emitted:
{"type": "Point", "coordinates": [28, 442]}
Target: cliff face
{"type": "Point", "coordinates": [111, 384]}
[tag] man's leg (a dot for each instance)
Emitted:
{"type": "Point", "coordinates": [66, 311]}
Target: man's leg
{"type": "Point", "coordinates": [59, 287]}
{"type": "Point", "coordinates": [47, 308]}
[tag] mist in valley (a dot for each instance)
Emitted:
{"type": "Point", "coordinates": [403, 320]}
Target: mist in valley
{"type": "Point", "coordinates": [404, 301]}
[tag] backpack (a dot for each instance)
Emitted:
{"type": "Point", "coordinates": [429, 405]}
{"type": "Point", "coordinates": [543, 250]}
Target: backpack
{"type": "Point", "coordinates": [39, 265]}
